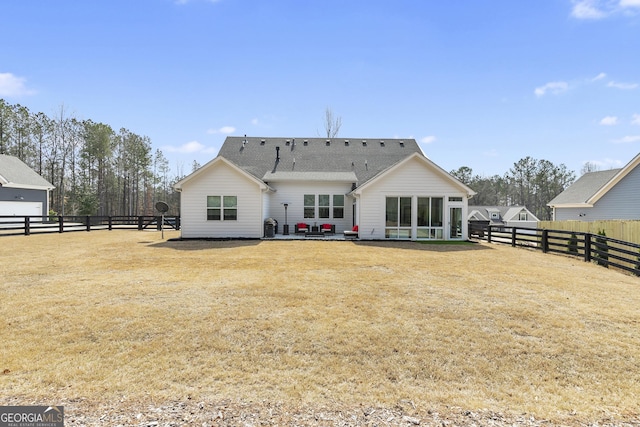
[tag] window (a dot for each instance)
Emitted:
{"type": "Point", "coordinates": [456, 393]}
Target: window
{"type": "Point", "coordinates": [223, 208]}
{"type": "Point", "coordinates": [309, 205]}
{"type": "Point", "coordinates": [398, 218]}
{"type": "Point", "coordinates": [338, 206]}
{"type": "Point", "coordinates": [323, 206]}
{"type": "Point", "coordinates": [522, 216]}
{"type": "Point", "coordinates": [430, 218]}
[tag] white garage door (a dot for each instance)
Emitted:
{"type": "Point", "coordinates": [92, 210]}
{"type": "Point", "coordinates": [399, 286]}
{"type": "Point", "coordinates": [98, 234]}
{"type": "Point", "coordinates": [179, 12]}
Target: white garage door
{"type": "Point", "coordinates": [20, 209]}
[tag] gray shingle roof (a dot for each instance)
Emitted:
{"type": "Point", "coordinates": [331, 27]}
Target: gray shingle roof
{"type": "Point", "coordinates": [16, 174]}
{"type": "Point", "coordinates": [585, 187]}
{"type": "Point", "coordinates": [365, 158]}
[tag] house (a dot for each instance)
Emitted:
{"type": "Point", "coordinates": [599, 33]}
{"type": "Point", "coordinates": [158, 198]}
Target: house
{"type": "Point", "coordinates": [602, 195]}
{"type": "Point", "coordinates": [501, 216]}
{"type": "Point", "coordinates": [22, 191]}
{"type": "Point", "coordinates": [387, 187]}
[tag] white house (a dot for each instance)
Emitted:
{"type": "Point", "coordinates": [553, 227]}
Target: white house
{"type": "Point", "coordinates": [22, 191]}
{"type": "Point", "coordinates": [503, 216]}
{"type": "Point", "coordinates": [387, 187]}
{"type": "Point", "coordinates": [603, 195]}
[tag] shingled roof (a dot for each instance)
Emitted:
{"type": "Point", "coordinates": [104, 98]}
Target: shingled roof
{"type": "Point", "coordinates": [338, 159]}
{"type": "Point", "coordinates": [584, 188]}
{"type": "Point", "coordinates": [16, 174]}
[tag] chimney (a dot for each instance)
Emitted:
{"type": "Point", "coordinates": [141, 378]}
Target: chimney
{"type": "Point", "coordinates": [277, 154]}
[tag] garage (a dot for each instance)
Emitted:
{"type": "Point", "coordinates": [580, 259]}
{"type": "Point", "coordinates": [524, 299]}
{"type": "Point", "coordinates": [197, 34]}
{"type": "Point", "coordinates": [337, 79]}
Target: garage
{"type": "Point", "coordinates": [20, 209]}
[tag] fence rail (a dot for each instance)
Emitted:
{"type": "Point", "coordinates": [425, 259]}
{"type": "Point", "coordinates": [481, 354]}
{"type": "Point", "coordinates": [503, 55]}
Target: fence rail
{"type": "Point", "coordinates": [27, 225]}
{"type": "Point", "coordinates": [605, 251]}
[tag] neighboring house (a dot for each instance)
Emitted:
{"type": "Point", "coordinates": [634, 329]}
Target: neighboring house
{"type": "Point", "coordinates": [603, 195]}
{"type": "Point", "coordinates": [22, 191]}
{"type": "Point", "coordinates": [502, 216]}
{"type": "Point", "coordinates": [385, 186]}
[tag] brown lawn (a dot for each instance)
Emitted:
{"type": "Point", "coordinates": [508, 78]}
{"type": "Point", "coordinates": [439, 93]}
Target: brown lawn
{"type": "Point", "coordinates": [89, 319]}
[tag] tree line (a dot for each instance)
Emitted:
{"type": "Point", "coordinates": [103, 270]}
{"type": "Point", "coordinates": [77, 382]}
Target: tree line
{"type": "Point", "coordinates": [530, 182]}
{"type": "Point", "coordinates": [95, 169]}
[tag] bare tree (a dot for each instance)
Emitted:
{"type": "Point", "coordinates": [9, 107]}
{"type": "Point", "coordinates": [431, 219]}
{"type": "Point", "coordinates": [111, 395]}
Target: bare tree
{"type": "Point", "coordinates": [331, 125]}
{"type": "Point", "coordinates": [589, 167]}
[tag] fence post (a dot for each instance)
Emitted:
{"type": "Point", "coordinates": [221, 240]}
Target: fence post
{"type": "Point", "coordinates": [60, 224]}
{"type": "Point", "coordinates": [27, 228]}
{"type": "Point", "coordinates": [513, 237]}
{"type": "Point", "coordinates": [88, 223]}
{"type": "Point", "coordinates": [545, 241]}
{"type": "Point", "coordinates": [489, 234]}
{"type": "Point", "coordinates": [110, 223]}
{"type": "Point", "coordinates": [140, 223]}
{"type": "Point", "coordinates": [159, 222]}
{"type": "Point", "coordinates": [587, 247]}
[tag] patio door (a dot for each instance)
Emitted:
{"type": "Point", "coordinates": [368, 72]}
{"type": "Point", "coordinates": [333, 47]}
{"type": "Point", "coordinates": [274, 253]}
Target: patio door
{"type": "Point", "coordinates": [455, 223]}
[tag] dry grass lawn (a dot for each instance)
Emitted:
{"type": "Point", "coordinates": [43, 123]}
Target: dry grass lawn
{"type": "Point", "coordinates": [126, 316]}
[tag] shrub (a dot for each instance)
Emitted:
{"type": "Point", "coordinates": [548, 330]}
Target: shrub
{"type": "Point", "coordinates": [572, 244]}
{"type": "Point", "coordinates": [602, 254]}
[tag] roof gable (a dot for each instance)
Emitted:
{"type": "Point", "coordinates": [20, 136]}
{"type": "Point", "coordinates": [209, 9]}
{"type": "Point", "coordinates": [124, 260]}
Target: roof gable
{"type": "Point", "coordinates": [14, 173]}
{"type": "Point", "coordinates": [426, 162]}
{"type": "Point", "coordinates": [580, 192]}
{"type": "Point", "coordinates": [214, 163]}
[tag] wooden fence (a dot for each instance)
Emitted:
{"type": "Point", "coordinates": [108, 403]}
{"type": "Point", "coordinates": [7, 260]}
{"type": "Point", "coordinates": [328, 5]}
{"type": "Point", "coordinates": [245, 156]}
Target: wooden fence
{"type": "Point", "coordinates": [605, 251]}
{"type": "Point", "coordinates": [26, 225]}
{"type": "Point", "coordinates": [626, 230]}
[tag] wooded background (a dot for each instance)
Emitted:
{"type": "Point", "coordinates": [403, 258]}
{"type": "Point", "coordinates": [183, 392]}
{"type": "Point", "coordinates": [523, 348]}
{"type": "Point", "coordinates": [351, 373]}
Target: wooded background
{"type": "Point", "coordinates": [97, 170]}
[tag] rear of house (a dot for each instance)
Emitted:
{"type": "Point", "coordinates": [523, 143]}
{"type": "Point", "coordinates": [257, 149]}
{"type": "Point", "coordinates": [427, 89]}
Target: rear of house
{"type": "Point", "coordinates": [387, 188]}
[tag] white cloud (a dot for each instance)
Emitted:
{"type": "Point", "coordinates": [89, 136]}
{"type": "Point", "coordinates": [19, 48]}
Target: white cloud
{"type": "Point", "coordinates": [226, 130]}
{"type": "Point", "coordinates": [609, 121]}
{"type": "Point", "coordinates": [627, 139]}
{"type": "Point", "coordinates": [629, 3]}
{"type": "Point", "coordinates": [554, 88]}
{"type": "Point", "coordinates": [11, 86]}
{"type": "Point", "coordinates": [635, 119]}
{"type": "Point", "coordinates": [587, 9]}
{"type": "Point", "coordinates": [428, 139]}
{"type": "Point", "coordinates": [189, 147]}
{"type": "Point", "coordinates": [599, 77]}
{"type": "Point", "coordinates": [623, 86]}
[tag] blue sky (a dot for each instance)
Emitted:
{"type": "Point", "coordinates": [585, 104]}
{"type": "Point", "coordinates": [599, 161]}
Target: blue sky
{"type": "Point", "coordinates": [477, 83]}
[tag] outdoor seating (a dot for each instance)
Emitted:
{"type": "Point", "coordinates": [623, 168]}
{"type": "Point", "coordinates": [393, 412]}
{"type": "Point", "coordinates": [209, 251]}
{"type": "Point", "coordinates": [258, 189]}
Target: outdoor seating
{"type": "Point", "coordinates": [351, 234]}
{"type": "Point", "coordinates": [328, 228]}
{"type": "Point", "coordinates": [301, 227]}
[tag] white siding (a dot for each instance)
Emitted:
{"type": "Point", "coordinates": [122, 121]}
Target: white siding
{"type": "Point", "coordinates": [414, 178]}
{"type": "Point", "coordinates": [293, 194]}
{"type": "Point", "coordinates": [221, 180]}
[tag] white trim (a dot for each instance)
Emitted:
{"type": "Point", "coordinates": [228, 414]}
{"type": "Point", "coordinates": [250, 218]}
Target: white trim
{"type": "Point", "coordinates": [180, 184]}
{"type": "Point", "coordinates": [612, 182]}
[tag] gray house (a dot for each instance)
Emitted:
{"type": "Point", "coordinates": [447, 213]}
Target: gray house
{"type": "Point", "coordinates": [22, 191]}
{"type": "Point", "coordinates": [602, 195]}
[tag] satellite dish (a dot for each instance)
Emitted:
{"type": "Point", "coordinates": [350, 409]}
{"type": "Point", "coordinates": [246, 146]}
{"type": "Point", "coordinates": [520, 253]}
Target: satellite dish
{"type": "Point", "coordinates": [162, 207]}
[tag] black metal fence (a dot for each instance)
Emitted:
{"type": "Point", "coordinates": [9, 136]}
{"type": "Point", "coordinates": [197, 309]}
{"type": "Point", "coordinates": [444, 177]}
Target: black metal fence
{"type": "Point", "coordinates": [603, 250]}
{"type": "Point", "coordinates": [26, 225]}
